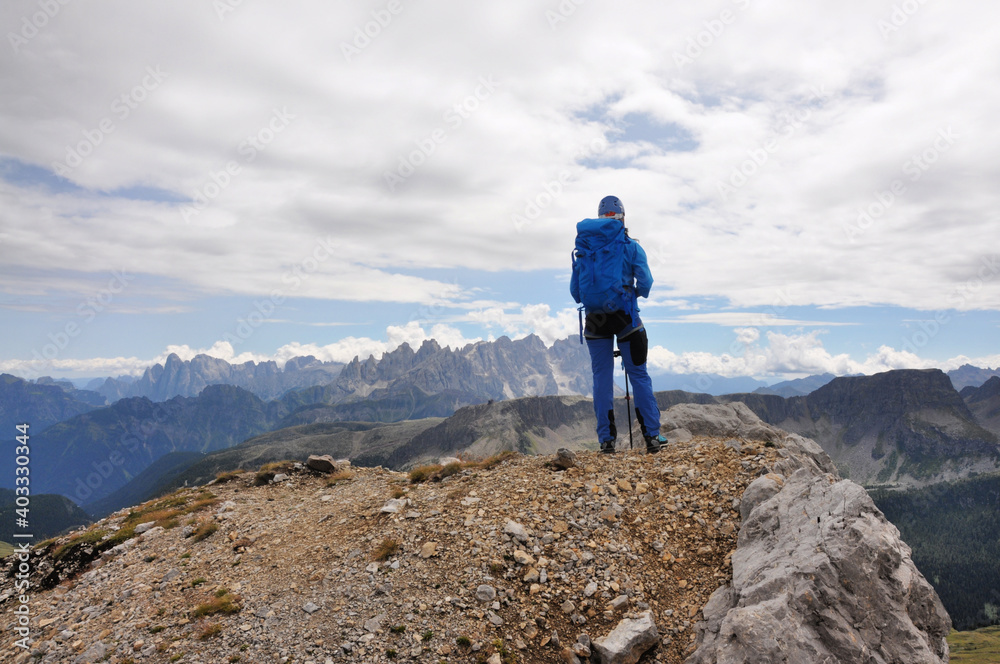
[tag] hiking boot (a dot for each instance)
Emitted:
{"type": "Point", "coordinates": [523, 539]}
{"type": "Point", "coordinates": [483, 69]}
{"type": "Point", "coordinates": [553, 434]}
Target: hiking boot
{"type": "Point", "coordinates": [608, 447]}
{"type": "Point", "coordinates": [653, 443]}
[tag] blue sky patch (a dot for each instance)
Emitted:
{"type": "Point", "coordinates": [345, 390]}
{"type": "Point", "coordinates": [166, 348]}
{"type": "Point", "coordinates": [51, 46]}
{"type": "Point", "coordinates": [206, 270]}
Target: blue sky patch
{"type": "Point", "coordinates": [27, 176]}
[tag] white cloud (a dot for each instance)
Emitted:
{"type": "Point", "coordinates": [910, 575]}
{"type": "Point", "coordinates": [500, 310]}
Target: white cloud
{"type": "Point", "coordinates": [531, 319]}
{"type": "Point", "coordinates": [783, 234]}
{"type": "Point", "coordinates": [746, 318]}
{"type": "Point", "coordinates": [859, 164]}
{"type": "Point", "coordinates": [793, 354]}
{"type": "Point", "coordinates": [747, 335]}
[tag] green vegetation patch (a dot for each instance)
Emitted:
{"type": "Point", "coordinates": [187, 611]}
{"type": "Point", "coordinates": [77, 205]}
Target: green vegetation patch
{"type": "Point", "coordinates": [888, 468]}
{"type": "Point", "coordinates": [164, 512]}
{"type": "Point", "coordinates": [981, 646]}
{"type": "Point", "coordinates": [953, 529]}
{"type": "Point", "coordinates": [437, 472]}
{"type": "Point", "coordinates": [222, 601]}
{"type": "Point", "coordinates": [203, 531]}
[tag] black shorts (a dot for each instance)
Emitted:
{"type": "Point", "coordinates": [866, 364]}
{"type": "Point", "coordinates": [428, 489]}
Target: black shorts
{"type": "Point", "coordinates": [601, 325]}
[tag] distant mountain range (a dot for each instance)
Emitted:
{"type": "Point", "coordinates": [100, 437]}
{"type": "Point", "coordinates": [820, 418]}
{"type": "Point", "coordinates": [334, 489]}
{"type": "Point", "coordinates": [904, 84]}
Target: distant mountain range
{"type": "Point", "coordinates": [176, 377]}
{"type": "Point", "coordinates": [705, 383]}
{"type": "Point", "coordinates": [970, 376]}
{"type": "Point", "coordinates": [92, 454]}
{"type": "Point", "coordinates": [907, 427]}
{"type": "Point", "coordinates": [798, 387]}
{"type": "Point", "coordinates": [39, 405]}
{"type": "Point", "coordinates": [500, 369]}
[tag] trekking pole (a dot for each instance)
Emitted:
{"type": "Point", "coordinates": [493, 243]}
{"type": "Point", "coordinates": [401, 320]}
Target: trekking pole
{"type": "Point", "coordinates": [628, 403]}
{"type": "Point", "coordinates": [628, 400]}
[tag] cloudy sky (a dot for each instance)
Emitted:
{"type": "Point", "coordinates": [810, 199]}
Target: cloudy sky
{"type": "Point", "coordinates": [815, 184]}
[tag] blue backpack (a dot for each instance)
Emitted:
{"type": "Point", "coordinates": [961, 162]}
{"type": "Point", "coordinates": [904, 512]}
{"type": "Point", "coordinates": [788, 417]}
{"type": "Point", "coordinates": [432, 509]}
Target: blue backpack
{"type": "Point", "coordinates": [600, 258]}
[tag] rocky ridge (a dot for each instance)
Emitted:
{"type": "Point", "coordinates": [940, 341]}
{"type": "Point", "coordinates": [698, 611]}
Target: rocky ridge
{"type": "Point", "coordinates": [509, 561]}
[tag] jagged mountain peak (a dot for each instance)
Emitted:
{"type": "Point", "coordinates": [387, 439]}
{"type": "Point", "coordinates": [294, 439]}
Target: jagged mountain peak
{"type": "Point", "coordinates": [177, 377]}
{"type": "Point", "coordinates": [484, 370]}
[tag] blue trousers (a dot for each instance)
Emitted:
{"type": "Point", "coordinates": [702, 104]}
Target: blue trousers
{"type": "Point", "coordinates": [602, 362]}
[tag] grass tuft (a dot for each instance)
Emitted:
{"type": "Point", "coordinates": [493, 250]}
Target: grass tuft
{"type": "Point", "coordinates": [423, 473]}
{"type": "Point", "coordinates": [91, 537]}
{"type": "Point", "coordinates": [338, 477]}
{"type": "Point", "coordinates": [203, 531]}
{"type": "Point", "coordinates": [212, 630]}
{"type": "Point", "coordinates": [495, 460]}
{"type": "Point", "coordinates": [386, 549]}
{"type": "Point", "coordinates": [222, 602]}
{"type": "Point", "coordinates": [227, 476]}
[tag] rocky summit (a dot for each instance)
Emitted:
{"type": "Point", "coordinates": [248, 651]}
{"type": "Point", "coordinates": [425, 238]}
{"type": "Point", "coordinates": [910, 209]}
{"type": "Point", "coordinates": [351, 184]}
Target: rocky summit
{"type": "Point", "coordinates": [705, 552]}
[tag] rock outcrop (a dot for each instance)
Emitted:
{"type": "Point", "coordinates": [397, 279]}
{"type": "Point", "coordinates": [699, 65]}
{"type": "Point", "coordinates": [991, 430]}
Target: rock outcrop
{"type": "Point", "coordinates": [819, 575]}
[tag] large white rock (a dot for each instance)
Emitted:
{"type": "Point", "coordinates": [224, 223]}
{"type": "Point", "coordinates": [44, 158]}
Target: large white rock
{"type": "Point", "coordinates": [627, 641]}
{"type": "Point", "coordinates": [819, 575]}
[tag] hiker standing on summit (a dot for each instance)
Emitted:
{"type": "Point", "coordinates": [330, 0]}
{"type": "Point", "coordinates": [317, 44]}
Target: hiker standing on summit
{"type": "Point", "coordinates": [610, 273]}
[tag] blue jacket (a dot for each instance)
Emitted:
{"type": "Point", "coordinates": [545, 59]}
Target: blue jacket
{"type": "Point", "coordinates": [636, 274]}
